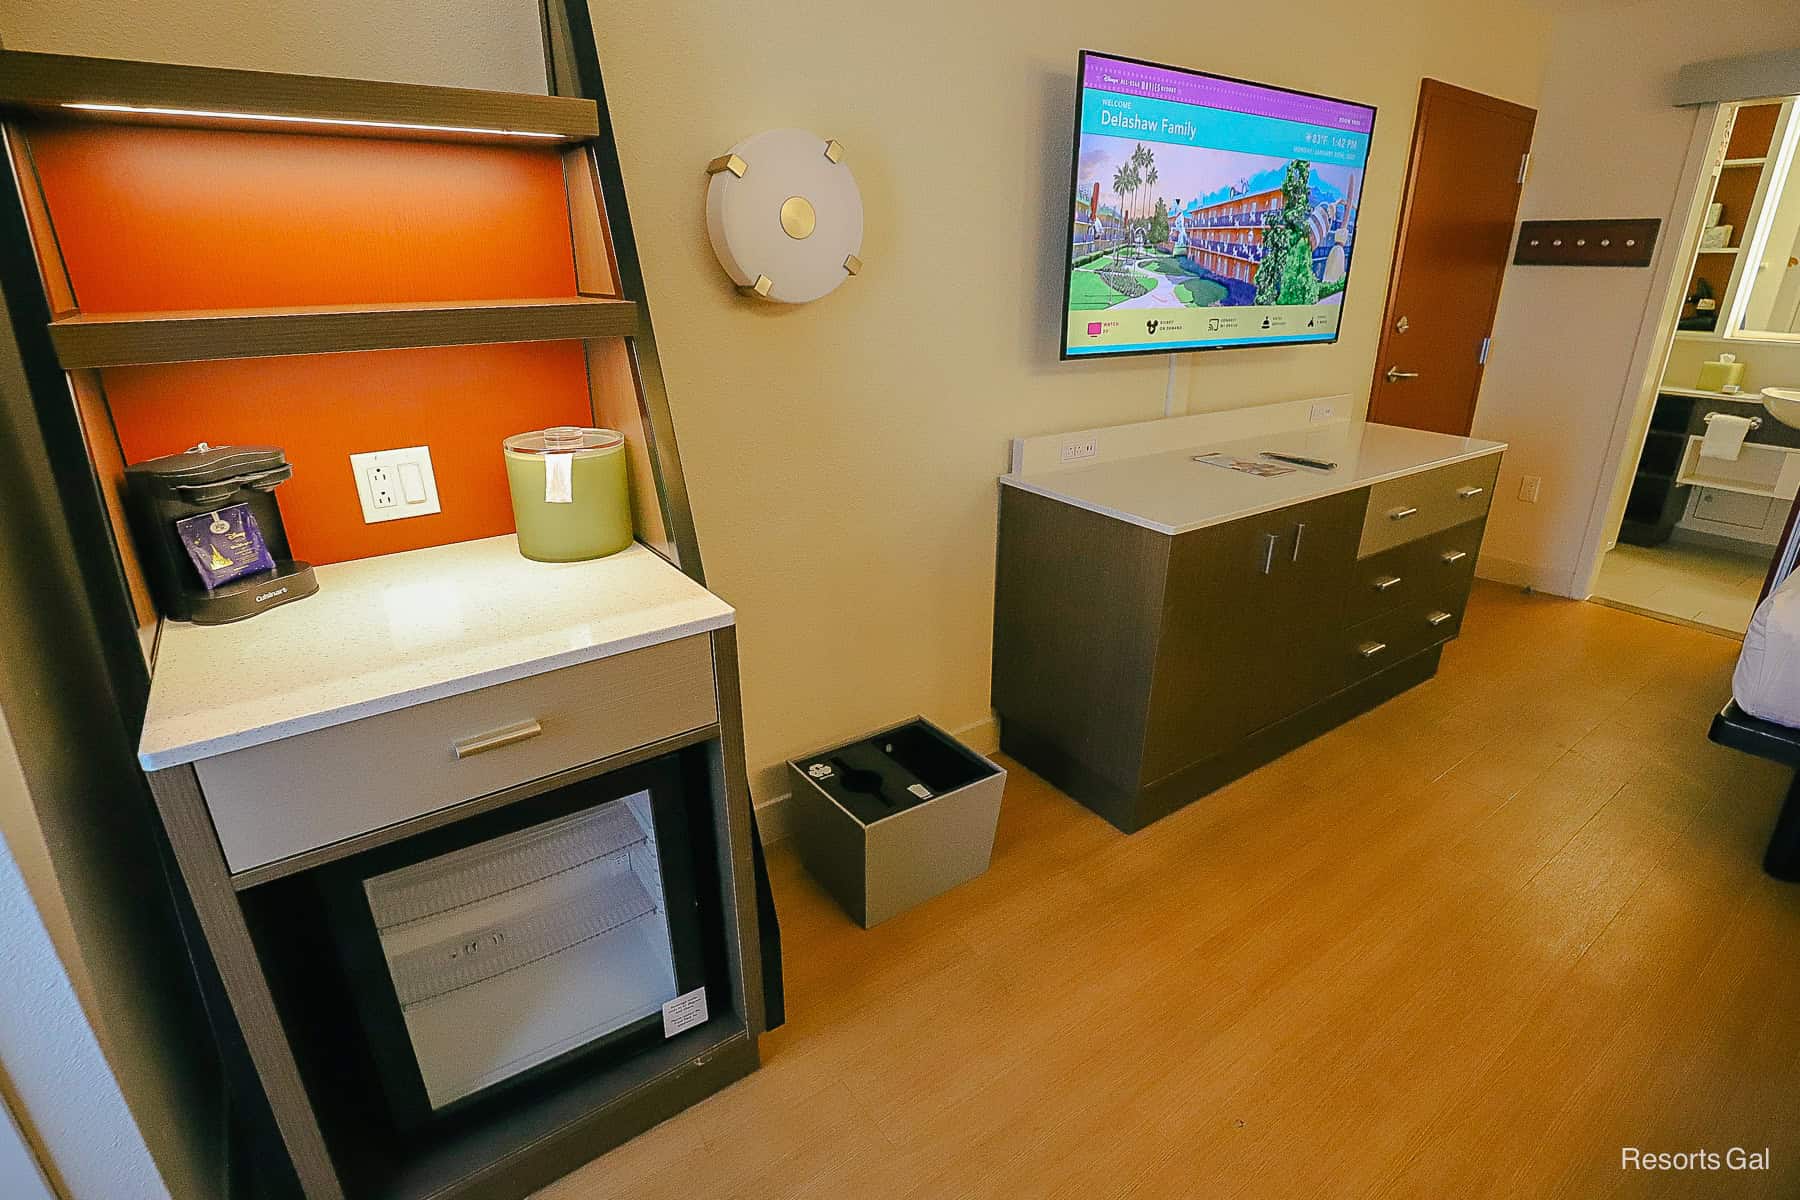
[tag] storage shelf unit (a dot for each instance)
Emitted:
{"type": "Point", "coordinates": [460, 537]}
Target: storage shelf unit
{"type": "Point", "coordinates": [120, 339]}
{"type": "Point", "coordinates": [562, 1120]}
{"type": "Point", "coordinates": [166, 93]}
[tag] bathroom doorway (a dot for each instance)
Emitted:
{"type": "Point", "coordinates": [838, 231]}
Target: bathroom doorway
{"type": "Point", "coordinates": [1710, 491]}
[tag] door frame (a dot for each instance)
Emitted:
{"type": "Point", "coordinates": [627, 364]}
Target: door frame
{"type": "Point", "coordinates": [1650, 352]}
{"type": "Point", "coordinates": [1429, 88]}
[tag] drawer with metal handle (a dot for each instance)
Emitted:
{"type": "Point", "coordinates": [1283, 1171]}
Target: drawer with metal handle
{"type": "Point", "coordinates": [1440, 565]}
{"type": "Point", "coordinates": [284, 798]}
{"type": "Point", "coordinates": [1416, 506]}
{"type": "Point", "coordinates": [1383, 641]}
{"type": "Point", "coordinates": [1382, 583]}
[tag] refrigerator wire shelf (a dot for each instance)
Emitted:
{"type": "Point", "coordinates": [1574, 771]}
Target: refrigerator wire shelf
{"type": "Point", "coordinates": [478, 955]}
{"type": "Point", "coordinates": [489, 869]}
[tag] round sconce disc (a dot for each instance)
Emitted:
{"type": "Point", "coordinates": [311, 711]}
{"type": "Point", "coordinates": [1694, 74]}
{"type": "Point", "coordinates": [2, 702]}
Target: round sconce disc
{"type": "Point", "coordinates": [792, 215]}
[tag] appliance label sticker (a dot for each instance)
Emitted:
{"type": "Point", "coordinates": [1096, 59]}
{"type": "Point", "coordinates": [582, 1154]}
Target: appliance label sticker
{"type": "Point", "coordinates": [684, 1012]}
{"type": "Point", "coordinates": [559, 482]}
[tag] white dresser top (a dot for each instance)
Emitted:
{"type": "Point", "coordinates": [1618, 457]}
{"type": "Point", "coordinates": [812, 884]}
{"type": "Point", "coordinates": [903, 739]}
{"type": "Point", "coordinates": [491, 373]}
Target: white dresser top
{"type": "Point", "coordinates": [1165, 490]}
{"type": "Point", "coordinates": [386, 633]}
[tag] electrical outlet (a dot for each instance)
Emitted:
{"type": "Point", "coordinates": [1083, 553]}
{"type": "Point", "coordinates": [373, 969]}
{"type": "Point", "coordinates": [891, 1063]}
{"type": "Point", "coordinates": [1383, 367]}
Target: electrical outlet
{"type": "Point", "coordinates": [1076, 449]}
{"type": "Point", "coordinates": [1324, 410]}
{"type": "Point", "coordinates": [1529, 486]}
{"type": "Point", "coordinates": [383, 492]}
{"type": "Point", "coordinates": [395, 484]}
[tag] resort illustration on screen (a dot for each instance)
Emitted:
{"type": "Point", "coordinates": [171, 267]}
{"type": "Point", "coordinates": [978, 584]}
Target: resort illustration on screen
{"type": "Point", "coordinates": [1268, 232]}
{"type": "Point", "coordinates": [1215, 227]}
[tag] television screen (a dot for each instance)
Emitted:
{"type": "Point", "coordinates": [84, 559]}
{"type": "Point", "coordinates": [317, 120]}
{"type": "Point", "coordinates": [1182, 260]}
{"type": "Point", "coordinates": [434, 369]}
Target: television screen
{"type": "Point", "coordinates": [1207, 212]}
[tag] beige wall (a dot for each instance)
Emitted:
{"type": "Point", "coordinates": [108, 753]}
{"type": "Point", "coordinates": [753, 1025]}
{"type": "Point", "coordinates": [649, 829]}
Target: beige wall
{"type": "Point", "coordinates": [842, 456]}
{"type": "Point", "coordinates": [1567, 368]}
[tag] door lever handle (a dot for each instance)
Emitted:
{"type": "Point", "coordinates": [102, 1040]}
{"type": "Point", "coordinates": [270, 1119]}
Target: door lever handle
{"type": "Point", "coordinates": [1395, 374]}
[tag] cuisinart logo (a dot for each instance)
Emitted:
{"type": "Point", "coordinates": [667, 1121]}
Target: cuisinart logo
{"type": "Point", "coordinates": [267, 596]}
{"type": "Point", "coordinates": [1631, 1158]}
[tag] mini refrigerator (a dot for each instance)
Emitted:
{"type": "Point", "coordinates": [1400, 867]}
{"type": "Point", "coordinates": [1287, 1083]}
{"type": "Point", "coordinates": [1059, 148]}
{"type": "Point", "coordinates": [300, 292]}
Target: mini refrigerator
{"type": "Point", "coordinates": [505, 947]}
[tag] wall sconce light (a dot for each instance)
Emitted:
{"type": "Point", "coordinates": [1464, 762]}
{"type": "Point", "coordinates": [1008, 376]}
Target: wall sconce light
{"type": "Point", "coordinates": [785, 216]}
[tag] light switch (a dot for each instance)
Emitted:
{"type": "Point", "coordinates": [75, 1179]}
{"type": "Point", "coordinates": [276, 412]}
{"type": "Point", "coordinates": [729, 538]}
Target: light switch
{"type": "Point", "coordinates": [412, 483]}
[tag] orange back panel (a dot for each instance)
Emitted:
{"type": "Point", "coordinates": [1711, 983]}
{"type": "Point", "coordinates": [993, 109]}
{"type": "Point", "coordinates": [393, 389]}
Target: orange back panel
{"type": "Point", "coordinates": [165, 219]}
{"type": "Point", "coordinates": [460, 400]}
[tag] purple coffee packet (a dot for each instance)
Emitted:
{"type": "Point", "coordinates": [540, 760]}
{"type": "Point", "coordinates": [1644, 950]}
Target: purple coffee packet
{"type": "Point", "coordinates": [225, 545]}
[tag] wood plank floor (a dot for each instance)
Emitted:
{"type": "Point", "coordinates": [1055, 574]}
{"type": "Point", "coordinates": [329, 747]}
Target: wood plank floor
{"type": "Point", "coordinates": [1470, 944]}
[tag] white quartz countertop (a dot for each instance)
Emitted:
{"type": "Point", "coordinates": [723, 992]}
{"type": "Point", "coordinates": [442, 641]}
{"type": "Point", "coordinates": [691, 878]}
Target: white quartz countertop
{"type": "Point", "coordinates": [385, 633]}
{"type": "Point", "coordinates": [1169, 492]}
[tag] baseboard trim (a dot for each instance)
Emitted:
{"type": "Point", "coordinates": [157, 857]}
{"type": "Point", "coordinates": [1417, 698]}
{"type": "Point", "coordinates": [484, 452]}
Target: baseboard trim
{"type": "Point", "coordinates": [774, 818]}
{"type": "Point", "coordinates": [1538, 578]}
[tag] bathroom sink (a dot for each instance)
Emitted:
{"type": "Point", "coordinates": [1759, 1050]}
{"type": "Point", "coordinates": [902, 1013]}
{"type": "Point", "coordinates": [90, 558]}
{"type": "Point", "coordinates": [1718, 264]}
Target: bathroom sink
{"type": "Point", "coordinates": [1783, 404]}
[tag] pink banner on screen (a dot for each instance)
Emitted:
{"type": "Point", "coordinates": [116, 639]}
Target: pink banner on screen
{"type": "Point", "coordinates": [1181, 87]}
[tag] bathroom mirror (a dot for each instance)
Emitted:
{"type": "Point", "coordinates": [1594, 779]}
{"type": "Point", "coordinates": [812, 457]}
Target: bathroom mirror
{"type": "Point", "coordinates": [1766, 299]}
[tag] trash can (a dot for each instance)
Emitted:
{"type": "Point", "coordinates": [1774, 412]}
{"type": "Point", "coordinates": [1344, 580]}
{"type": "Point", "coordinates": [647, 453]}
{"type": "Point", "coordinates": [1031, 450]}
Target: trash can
{"type": "Point", "coordinates": [892, 819]}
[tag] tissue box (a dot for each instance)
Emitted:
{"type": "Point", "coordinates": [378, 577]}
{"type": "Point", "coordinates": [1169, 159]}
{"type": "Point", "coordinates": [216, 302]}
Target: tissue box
{"type": "Point", "coordinates": [1720, 373]}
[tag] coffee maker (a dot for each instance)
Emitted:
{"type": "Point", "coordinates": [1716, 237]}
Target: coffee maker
{"type": "Point", "coordinates": [182, 496]}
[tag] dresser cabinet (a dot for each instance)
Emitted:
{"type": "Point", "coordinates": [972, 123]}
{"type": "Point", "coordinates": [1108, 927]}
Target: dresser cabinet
{"type": "Point", "coordinates": [1138, 670]}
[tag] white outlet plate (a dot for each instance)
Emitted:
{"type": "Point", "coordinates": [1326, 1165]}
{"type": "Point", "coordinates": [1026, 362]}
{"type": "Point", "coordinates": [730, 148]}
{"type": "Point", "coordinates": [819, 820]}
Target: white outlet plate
{"type": "Point", "coordinates": [1076, 449]}
{"type": "Point", "coordinates": [395, 484]}
{"type": "Point", "coordinates": [1324, 410]}
{"type": "Point", "coordinates": [1529, 485]}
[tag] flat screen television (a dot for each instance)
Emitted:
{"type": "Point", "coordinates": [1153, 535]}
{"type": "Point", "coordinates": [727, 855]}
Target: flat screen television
{"type": "Point", "coordinates": [1207, 212]}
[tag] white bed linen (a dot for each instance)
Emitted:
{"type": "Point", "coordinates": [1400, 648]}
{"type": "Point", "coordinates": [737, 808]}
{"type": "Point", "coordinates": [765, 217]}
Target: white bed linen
{"type": "Point", "coordinates": [1767, 680]}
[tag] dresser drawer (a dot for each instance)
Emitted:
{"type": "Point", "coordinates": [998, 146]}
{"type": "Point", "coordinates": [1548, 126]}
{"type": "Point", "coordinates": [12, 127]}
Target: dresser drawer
{"type": "Point", "coordinates": [1416, 506]}
{"type": "Point", "coordinates": [1439, 565]}
{"type": "Point", "coordinates": [284, 798]}
{"type": "Point", "coordinates": [1380, 642]}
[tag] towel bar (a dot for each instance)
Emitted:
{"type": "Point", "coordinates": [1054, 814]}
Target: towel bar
{"type": "Point", "coordinates": [1755, 422]}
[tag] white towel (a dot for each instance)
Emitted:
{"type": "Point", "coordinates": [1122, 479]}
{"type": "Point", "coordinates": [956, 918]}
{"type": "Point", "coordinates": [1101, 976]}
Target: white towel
{"type": "Point", "coordinates": [1724, 436]}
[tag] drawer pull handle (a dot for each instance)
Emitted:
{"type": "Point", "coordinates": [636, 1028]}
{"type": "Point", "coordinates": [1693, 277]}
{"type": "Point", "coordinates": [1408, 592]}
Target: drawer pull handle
{"type": "Point", "coordinates": [1400, 514]}
{"type": "Point", "coordinates": [508, 735]}
{"type": "Point", "coordinates": [1468, 493]}
{"type": "Point", "coordinates": [1268, 563]}
{"type": "Point", "coordinates": [1386, 582]}
{"type": "Point", "coordinates": [1455, 556]}
{"type": "Point", "coordinates": [1299, 533]}
{"type": "Point", "coordinates": [1437, 618]}
{"type": "Point", "coordinates": [1371, 649]}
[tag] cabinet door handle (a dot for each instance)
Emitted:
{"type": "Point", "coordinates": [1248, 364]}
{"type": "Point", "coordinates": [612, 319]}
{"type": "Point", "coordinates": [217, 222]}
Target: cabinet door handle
{"type": "Point", "coordinates": [1454, 556]}
{"type": "Point", "coordinates": [1437, 618]}
{"type": "Point", "coordinates": [507, 735]}
{"type": "Point", "coordinates": [1269, 541]}
{"type": "Point", "coordinates": [1386, 582]}
{"type": "Point", "coordinates": [1299, 532]}
{"type": "Point", "coordinates": [1371, 649]}
{"type": "Point", "coordinates": [1468, 493]}
{"type": "Point", "coordinates": [1400, 514]}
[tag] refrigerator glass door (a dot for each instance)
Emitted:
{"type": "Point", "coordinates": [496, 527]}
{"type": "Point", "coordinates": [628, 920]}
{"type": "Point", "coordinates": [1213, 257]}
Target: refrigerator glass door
{"type": "Point", "coordinates": [509, 953]}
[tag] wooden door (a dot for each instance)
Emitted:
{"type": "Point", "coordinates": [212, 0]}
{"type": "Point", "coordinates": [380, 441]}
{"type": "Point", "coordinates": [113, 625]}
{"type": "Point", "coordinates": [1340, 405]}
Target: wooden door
{"type": "Point", "coordinates": [1456, 226]}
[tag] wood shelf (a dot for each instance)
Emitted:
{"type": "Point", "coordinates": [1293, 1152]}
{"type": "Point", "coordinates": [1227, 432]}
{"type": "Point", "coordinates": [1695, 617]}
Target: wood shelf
{"type": "Point", "coordinates": [1720, 249]}
{"type": "Point", "coordinates": [1744, 162]}
{"type": "Point", "coordinates": [164, 93]}
{"type": "Point", "coordinates": [125, 339]}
